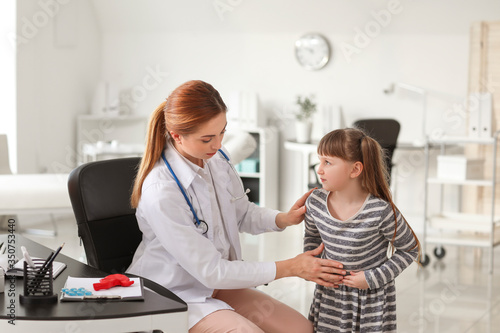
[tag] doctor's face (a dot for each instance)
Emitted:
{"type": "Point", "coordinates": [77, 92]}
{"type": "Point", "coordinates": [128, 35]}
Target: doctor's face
{"type": "Point", "coordinates": [204, 143]}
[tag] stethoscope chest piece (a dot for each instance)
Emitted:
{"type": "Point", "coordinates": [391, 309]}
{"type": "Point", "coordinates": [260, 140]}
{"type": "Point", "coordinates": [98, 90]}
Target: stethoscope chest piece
{"type": "Point", "coordinates": [203, 226]}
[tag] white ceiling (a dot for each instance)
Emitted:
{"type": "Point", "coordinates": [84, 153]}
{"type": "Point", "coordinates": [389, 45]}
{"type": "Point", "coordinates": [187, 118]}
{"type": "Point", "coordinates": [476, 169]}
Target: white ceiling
{"type": "Point", "coordinates": [290, 16]}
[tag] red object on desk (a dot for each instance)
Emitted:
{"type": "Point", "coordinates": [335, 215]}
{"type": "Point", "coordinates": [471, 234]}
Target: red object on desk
{"type": "Point", "coordinates": [113, 280]}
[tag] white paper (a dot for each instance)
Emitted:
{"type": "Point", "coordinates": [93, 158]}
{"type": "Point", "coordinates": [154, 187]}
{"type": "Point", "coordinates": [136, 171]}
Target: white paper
{"type": "Point", "coordinates": [132, 291]}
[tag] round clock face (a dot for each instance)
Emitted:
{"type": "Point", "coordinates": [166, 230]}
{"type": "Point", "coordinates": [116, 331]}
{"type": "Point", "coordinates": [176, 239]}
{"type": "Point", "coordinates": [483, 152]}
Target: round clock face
{"type": "Point", "coordinates": [312, 51]}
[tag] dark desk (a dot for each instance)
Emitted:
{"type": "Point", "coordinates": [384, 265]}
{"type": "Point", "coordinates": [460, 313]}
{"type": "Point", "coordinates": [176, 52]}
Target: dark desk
{"type": "Point", "coordinates": [155, 312]}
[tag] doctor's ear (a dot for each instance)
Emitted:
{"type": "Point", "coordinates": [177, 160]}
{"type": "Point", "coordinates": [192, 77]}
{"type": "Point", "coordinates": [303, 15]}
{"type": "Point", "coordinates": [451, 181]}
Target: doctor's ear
{"type": "Point", "coordinates": [175, 136]}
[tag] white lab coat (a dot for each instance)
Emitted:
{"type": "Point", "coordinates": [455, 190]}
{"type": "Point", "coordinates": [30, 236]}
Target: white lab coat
{"type": "Point", "coordinates": [176, 254]}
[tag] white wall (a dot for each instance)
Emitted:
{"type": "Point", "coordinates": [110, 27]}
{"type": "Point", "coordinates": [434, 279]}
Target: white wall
{"type": "Point", "coordinates": [8, 77]}
{"type": "Point", "coordinates": [264, 62]}
{"type": "Point", "coordinates": [58, 66]}
{"type": "Point", "coordinates": [151, 47]}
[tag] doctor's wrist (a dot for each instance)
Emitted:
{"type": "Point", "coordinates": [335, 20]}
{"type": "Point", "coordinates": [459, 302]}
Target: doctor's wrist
{"type": "Point", "coordinates": [284, 268]}
{"type": "Point", "coordinates": [281, 221]}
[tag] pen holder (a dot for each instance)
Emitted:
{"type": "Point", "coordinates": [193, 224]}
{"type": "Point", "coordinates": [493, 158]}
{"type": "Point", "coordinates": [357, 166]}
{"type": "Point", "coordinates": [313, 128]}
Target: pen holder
{"type": "Point", "coordinates": [38, 283]}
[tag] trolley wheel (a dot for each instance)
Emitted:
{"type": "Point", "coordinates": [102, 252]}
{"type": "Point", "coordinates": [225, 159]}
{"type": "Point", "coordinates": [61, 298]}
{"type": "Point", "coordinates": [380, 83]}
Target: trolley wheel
{"type": "Point", "coordinates": [425, 260]}
{"type": "Point", "coordinates": [439, 252]}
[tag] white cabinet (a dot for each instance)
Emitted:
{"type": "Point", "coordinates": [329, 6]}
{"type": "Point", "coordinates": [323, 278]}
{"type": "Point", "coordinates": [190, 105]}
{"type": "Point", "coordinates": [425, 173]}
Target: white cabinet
{"type": "Point", "coordinates": [456, 227]}
{"type": "Point", "coordinates": [259, 171]}
{"type": "Point", "coordinates": [260, 175]}
{"type": "Point", "coordinates": [101, 137]}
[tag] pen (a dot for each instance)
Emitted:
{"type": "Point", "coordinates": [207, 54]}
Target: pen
{"type": "Point", "coordinates": [102, 297]}
{"type": "Point", "coordinates": [49, 261]}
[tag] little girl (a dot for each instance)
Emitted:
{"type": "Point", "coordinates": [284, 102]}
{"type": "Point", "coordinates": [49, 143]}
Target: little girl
{"type": "Point", "coordinates": [354, 216]}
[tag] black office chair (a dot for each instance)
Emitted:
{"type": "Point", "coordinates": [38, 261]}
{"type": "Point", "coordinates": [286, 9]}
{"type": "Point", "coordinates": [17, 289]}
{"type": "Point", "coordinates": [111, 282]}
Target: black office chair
{"type": "Point", "coordinates": [384, 131]}
{"type": "Point", "coordinates": [100, 196]}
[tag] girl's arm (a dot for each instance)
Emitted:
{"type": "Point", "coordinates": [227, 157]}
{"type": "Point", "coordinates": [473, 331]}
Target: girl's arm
{"type": "Point", "coordinates": [406, 252]}
{"type": "Point", "coordinates": [312, 238]}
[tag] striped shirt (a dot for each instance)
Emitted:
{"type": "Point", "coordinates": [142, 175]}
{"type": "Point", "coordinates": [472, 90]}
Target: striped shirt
{"type": "Point", "coordinates": [360, 243]}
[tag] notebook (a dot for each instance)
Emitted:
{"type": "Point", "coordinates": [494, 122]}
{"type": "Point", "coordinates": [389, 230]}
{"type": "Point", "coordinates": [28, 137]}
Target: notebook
{"type": "Point", "coordinates": [18, 268]}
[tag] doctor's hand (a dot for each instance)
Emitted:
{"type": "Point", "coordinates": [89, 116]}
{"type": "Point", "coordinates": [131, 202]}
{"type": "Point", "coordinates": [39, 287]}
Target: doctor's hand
{"type": "Point", "coordinates": [325, 272]}
{"type": "Point", "coordinates": [295, 215]}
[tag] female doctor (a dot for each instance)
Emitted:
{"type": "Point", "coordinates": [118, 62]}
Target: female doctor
{"type": "Point", "coordinates": [190, 206]}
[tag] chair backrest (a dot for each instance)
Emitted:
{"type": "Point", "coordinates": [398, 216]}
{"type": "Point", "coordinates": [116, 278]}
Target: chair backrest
{"type": "Point", "coordinates": [4, 156]}
{"type": "Point", "coordinates": [100, 196]}
{"type": "Point", "coordinates": [385, 132]}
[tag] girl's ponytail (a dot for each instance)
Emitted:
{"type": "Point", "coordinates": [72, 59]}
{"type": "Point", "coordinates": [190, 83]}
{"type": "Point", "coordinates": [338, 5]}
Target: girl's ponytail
{"type": "Point", "coordinates": [376, 181]}
{"type": "Point", "coordinates": [375, 177]}
{"type": "Point", "coordinates": [155, 143]}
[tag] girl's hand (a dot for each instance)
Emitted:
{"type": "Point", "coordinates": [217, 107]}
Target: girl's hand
{"type": "Point", "coordinates": [295, 215]}
{"type": "Point", "coordinates": [325, 272]}
{"type": "Point", "coordinates": [356, 280]}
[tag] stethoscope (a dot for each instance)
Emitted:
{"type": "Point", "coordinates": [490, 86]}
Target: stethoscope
{"type": "Point", "coordinates": [200, 223]}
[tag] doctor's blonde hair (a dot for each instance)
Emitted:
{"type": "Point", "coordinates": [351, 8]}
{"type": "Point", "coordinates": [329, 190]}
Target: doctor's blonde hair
{"type": "Point", "coordinates": [188, 106]}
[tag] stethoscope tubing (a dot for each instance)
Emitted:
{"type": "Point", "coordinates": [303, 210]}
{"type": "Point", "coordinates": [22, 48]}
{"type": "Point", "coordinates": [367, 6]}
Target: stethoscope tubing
{"type": "Point", "coordinates": [181, 188]}
{"type": "Point", "coordinates": [198, 222]}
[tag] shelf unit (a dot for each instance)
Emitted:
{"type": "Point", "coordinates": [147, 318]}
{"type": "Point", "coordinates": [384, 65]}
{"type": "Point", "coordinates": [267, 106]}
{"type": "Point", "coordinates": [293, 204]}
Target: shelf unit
{"type": "Point", "coordinates": [263, 183]}
{"type": "Point", "coordinates": [107, 136]}
{"type": "Point", "coordinates": [459, 228]}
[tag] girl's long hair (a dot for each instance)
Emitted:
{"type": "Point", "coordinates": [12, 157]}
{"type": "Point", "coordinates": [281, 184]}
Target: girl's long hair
{"type": "Point", "coordinates": [353, 145]}
{"type": "Point", "coordinates": [188, 106]}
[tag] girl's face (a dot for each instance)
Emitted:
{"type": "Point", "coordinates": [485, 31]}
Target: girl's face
{"type": "Point", "coordinates": [204, 143]}
{"type": "Point", "coordinates": [335, 173]}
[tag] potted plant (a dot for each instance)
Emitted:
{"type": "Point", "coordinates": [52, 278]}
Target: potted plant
{"type": "Point", "coordinates": [303, 125]}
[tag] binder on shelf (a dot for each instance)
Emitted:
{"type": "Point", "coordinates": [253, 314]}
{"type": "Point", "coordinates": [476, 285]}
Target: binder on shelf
{"type": "Point", "coordinates": [480, 115]}
{"type": "Point", "coordinates": [474, 114]}
{"type": "Point", "coordinates": [244, 110]}
{"type": "Point", "coordinates": [133, 292]}
{"type": "Point", "coordinates": [485, 118]}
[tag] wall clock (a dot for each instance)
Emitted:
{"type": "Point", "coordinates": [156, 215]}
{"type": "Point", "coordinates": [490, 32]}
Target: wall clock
{"type": "Point", "coordinates": [312, 51]}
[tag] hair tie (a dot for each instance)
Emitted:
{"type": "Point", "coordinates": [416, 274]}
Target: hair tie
{"type": "Point", "coordinates": [361, 147]}
{"type": "Point", "coordinates": [361, 139]}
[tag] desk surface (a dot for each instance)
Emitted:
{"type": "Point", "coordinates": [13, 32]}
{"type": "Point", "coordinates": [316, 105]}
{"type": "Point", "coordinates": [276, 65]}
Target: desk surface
{"type": "Point", "coordinates": [71, 311]}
